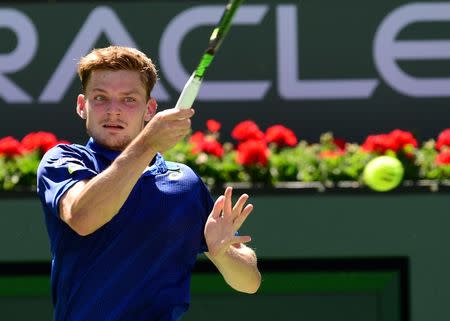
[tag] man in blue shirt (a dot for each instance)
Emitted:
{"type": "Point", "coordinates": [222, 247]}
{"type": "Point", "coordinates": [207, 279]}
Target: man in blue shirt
{"type": "Point", "coordinates": [125, 226]}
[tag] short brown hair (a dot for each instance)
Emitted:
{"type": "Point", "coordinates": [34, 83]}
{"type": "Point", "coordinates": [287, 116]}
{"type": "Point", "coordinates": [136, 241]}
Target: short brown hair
{"type": "Point", "coordinates": [118, 58]}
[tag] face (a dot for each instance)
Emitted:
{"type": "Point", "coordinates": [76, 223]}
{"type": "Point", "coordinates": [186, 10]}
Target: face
{"type": "Point", "coordinates": [115, 107]}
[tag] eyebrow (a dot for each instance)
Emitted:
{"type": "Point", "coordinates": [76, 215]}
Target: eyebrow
{"type": "Point", "coordinates": [132, 92]}
{"type": "Point", "coordinates": [99, 89]}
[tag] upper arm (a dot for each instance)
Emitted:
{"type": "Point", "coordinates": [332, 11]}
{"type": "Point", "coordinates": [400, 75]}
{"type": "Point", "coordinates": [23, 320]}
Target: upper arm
{"type": "Point", "coordinates": [68, 198]}
{"type": "Point", "coordinates": [59, 171]}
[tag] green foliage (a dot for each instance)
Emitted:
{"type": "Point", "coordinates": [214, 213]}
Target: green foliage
{"type": "Point", "coordinates": [426, 165]}
{"type": "Point", "coordinates": [322, 162]}
{"type": "Point", "coordinates": [19, 172]}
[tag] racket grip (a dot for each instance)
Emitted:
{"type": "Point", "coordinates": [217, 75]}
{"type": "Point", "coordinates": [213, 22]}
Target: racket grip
{"type": "Point", "coordinates": [189, 93]}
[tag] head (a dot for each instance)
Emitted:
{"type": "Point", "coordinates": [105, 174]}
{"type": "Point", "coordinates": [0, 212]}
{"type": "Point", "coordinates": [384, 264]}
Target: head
{"type": "Point", "coordinates": [116, 97]}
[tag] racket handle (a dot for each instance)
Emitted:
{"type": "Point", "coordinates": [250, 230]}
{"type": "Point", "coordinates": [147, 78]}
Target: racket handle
{"type": "Point", "coordinates": [189, 93]}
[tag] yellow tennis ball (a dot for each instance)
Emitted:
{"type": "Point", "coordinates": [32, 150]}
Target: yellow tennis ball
{"type": "Point", "coordinates": [383, 173]}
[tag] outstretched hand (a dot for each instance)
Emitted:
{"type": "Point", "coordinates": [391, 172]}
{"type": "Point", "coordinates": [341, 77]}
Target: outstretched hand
{"type": "Point", "coordinates": [224, 221]}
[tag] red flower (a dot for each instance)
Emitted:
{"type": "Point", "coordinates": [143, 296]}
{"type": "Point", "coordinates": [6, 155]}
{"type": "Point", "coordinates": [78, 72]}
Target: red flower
{"type": "Point", "coordinates": [196, 140]}
{"type": "Point", "coordinates": [281, 136]}
{"type": "Point", "coordinates": [247, 130]}
{"type": "Point", "coordinates": [403, 138]}
{"type": "Point", "coordinates": [206, 144]}
{"type": "Point", "coordinates": [213, 147]}
{"type": "Point", "coordinates": [213, 125]}
{"type": "Point", "coordinates": [252, 152]}
{"type": "Point", "coordinates": [10, 147]}
{"type": "Point", "coordinates": [39, 140]}
{"type": "Point", "coordinates": [377, 143]}
{"type": "Point", "coordinates": [339, 143]}
{"type": "Point", "coordinates": [443, 139]}
{"type": "Point", "coordinates": [443, 158]}
{"type": "Point", "coordinates": [396, 140]}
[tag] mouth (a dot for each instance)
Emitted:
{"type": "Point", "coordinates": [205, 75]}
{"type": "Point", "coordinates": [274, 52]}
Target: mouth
{"type": "Point", "coordinates": [113, 126]}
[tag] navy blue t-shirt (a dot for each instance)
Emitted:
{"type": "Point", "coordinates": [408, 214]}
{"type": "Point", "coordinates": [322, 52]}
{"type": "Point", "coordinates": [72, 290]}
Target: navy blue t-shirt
{"type": "Point", "coordinates": [137, 266]}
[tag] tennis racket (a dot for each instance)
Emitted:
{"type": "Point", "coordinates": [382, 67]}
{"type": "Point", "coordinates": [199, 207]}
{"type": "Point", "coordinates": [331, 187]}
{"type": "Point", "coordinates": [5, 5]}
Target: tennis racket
{"type": "Point", "coordinates": [192, 86]}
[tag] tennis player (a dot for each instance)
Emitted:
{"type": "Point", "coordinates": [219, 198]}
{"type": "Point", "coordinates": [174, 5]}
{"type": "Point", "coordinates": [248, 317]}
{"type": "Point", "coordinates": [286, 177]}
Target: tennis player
{"type": "Point", "coordinates": [126, 226]}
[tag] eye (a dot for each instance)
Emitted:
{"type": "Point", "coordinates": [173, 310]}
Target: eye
{"type": "Point", "coordinates": [130, 99]}
{"type": "Point", "coordinates": [99, 98]}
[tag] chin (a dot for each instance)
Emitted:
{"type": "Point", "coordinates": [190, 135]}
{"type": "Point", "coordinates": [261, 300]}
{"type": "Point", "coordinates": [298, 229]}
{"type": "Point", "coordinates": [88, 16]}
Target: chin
{"type": "Point", "coordinates": [114, 143]}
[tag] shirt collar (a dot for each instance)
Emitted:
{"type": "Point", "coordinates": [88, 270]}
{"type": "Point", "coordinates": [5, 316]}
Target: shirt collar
{"type": "Point", "coordinates": [157, 166]}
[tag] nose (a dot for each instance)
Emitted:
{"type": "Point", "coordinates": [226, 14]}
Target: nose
{"type": "Point", "coordinates": [114, 107]}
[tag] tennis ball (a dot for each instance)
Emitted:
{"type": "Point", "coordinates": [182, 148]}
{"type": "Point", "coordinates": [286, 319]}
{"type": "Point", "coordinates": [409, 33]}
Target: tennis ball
{"type": "Point", "coordinates": [383, 173]}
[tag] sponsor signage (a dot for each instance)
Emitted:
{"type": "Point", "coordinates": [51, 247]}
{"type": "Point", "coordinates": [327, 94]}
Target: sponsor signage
{"type": "Point", "coordinates": [312, 67]}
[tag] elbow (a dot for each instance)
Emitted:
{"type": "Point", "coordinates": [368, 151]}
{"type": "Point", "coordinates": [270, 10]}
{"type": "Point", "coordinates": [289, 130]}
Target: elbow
{"type": "Point", "coordinates": [76, 223]}
{"type": "Point", "coordinates": [78, 227]}
{"type": "Point", "coordinates": [253, 287]}
{"type": "Point", "coordinates": [256, 278]}
{"type": "Point", "coordinates": [81, 230]}
{"type": "Point", "coordinates": [250, 288]}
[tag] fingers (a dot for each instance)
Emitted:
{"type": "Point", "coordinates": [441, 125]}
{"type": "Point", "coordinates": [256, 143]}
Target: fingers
{"type": "Point", "coordinates": [218, 207]}
{"type": "Point", "coordinates": [237, 213]}
{"type": "Point", "coordinates": [177, 114]}
{"type": "Point", "coordinates": [168, 127]}
{"type": "Point", "coordinates": [176, 119]}
{"type": "Point", "coordinates": [179, 127]}
{"type": "Point", "coordinates": [227, 209]}
{"type": "Point", "coordinates": [240, 219]}
{"type": "Point", "coordinates": [237, 209]}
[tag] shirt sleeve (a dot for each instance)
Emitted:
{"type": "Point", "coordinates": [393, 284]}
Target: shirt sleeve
{"type": "Point", "coordinates": [62, 167]}
{"type": "Point", "coordinates": [208, 203]}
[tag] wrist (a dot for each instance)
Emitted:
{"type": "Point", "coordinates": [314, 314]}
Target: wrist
{"type": "Point", "coordinates": [144, 147]}
{"type": "Point", "coordinates": [222, 254]}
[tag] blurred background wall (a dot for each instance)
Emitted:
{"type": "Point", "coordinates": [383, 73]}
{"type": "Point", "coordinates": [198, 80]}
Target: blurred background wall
{"type": "Point", "coordinates": [355, 69]}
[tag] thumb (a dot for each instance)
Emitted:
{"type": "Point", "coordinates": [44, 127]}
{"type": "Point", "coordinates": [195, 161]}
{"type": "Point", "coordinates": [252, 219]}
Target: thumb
{"type": "Point", "coordinates": [241, 239]}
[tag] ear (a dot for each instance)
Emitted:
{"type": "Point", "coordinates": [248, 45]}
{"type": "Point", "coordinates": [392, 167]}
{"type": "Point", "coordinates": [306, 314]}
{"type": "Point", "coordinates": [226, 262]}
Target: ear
{"type": "Point", "coordinates": [151, 109]}
{"type": "Point", "coordinates": [81, 106]}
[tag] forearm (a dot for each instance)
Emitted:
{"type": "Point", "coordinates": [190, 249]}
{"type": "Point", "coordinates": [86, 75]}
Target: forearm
{"type": "Point", "coordinates": [101, 198]}
{"type": "Point", "coordinates": [88, 205]}
{"type": "Point", "coordinates": [239, 268]}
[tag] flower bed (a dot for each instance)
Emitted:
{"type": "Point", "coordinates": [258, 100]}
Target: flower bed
{"type": "Point", "coordinates": [271, 158]}
{"type": "Point", "coordinates": [277, 158]}
{"type": "Point", "coordinates": [19, 160]}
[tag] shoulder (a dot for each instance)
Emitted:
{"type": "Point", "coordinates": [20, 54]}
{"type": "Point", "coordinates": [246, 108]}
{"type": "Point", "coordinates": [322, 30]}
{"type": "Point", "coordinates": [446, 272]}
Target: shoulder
{"type": "Point", "coordinates": [62, 150]}
{"type": "Point", "coordinates": [183, 173]}
{"type": "Point", "coordinates": [182, 168]}
{"type": "Point", "coordinates": [64, 155]}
